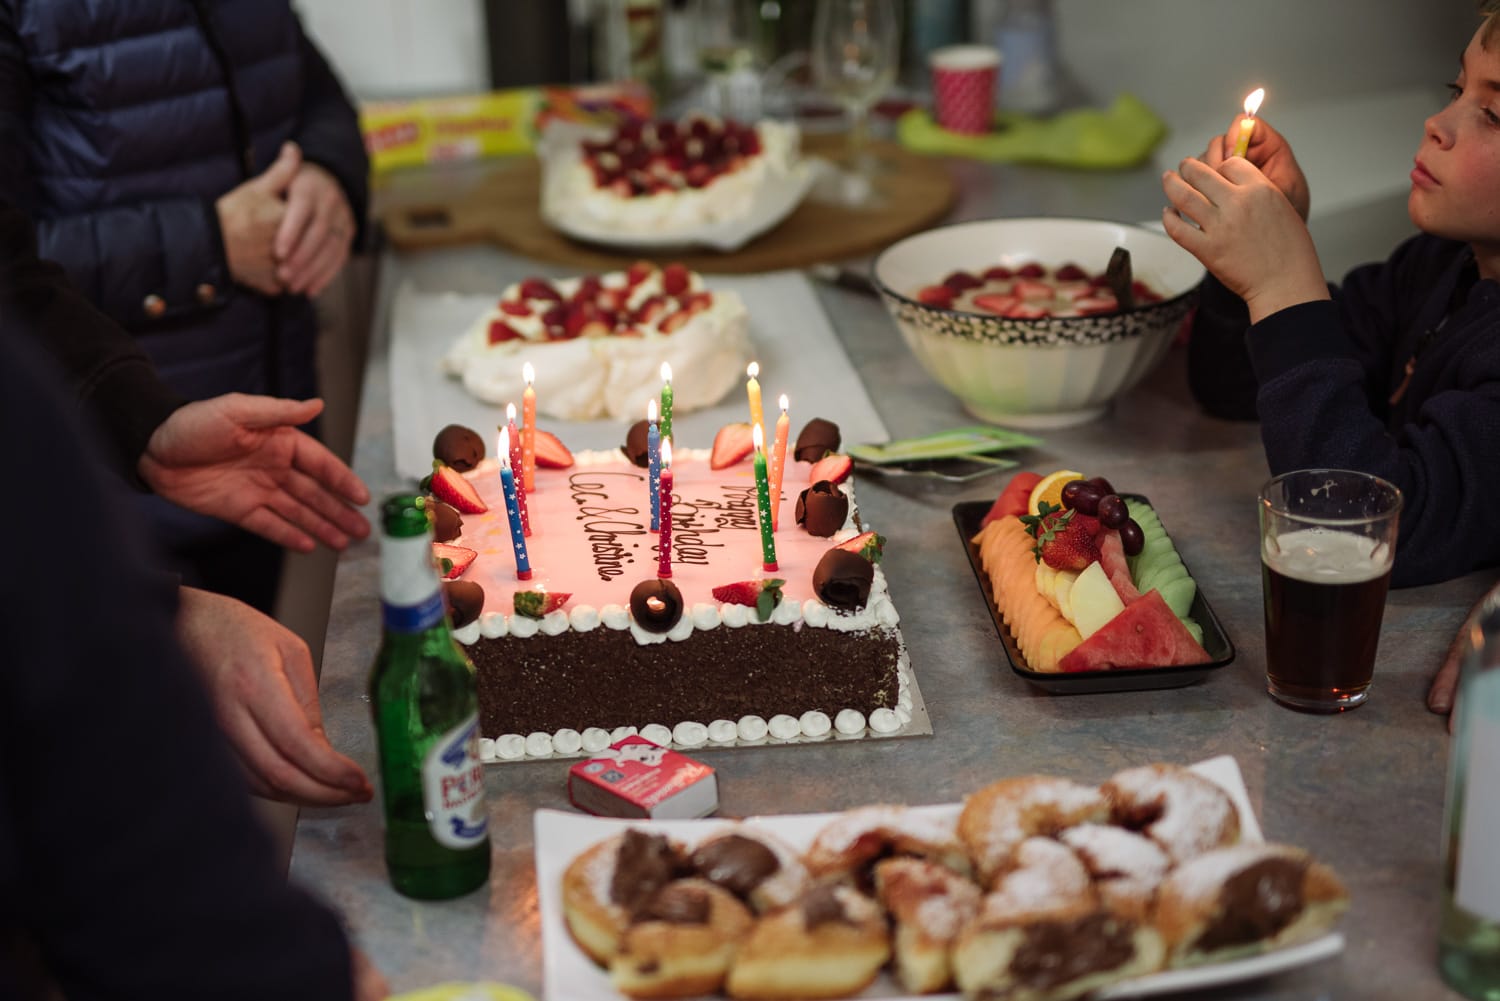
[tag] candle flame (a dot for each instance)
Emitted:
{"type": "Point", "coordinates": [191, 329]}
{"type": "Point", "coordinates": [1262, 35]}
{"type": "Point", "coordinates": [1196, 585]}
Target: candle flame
{"type": "Point", "coordinates": [752, 370]}
{"type": "Point", "coordinates": [666, 372]}
{"type": "Point", "coordinates": [502, 452]}
{"type": "Point", "coordinates": [783, 402]}
{"type": "Point", "coordinates": [1253, 99]}
{"type": "Point", "coordinates": [528, 373]}
{"type": "Point", "coordinates": [758, 436]}
{"type": "Point", "coordinates": [651, 411]}
{"type": "Point", "coordinates": [666, 453]}
{"type": "Point", "coordinates": [510, 412]}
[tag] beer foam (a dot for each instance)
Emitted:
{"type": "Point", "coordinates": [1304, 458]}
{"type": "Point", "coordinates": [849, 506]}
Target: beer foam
{"type": "Point", "coordinates": [1322, 556]}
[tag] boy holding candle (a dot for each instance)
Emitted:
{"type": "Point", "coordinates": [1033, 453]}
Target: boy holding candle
{"type": "Point", "coordinates": [1398, 372]}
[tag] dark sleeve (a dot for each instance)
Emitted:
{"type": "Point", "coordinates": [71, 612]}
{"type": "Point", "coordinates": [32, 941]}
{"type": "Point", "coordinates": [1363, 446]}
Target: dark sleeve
{"type": "Point", "coordinates": [138, 868]}
{"type": "Point", "coordinates": [328, 132]}
{"type": "Point", "coordinates": [167, 247]}
{"type": "Point", "coordinates": [1219, 372]}
{"type": "Point", "coordinates": [103, 365]}
{"type": "Point", "coordinates": [1318, 364]}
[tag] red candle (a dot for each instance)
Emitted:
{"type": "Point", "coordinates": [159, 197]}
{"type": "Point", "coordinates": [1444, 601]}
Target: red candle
{"type": "Point", "coordinates": [515, 463]}
{"type": "Point", "coordinates": [664, 541]}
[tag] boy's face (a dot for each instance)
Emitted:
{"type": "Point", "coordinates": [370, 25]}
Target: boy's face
{"type": "Point", "coordinates": [1455, 186]}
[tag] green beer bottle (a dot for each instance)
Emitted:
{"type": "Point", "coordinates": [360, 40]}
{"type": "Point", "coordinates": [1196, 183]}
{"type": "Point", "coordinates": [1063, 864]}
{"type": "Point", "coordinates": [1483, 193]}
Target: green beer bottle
{"type": "Point", "coordinates": [426, 721]}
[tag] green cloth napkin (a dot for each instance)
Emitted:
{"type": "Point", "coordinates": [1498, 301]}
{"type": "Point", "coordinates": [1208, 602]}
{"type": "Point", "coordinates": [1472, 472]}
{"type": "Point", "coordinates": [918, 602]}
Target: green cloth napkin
{"type": "Point", "coordinates": [1121, 136]}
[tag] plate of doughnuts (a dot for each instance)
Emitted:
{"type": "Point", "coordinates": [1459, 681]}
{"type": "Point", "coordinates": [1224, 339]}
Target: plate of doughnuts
{"type": "Point", "coordinates": [968, 516]}
{"type": "Point", "coordinates": [1156, 880]}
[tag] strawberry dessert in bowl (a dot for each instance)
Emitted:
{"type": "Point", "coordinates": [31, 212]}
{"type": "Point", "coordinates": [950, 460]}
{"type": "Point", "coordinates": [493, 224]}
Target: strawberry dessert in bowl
{"type": "Point", "coordinates": [1037, 323]}
{"type": "Point", "coordinates": [692, 181]}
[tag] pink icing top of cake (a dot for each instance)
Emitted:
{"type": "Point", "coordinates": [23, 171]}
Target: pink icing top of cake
{"type": "Point", "coordinates": [591, 538]}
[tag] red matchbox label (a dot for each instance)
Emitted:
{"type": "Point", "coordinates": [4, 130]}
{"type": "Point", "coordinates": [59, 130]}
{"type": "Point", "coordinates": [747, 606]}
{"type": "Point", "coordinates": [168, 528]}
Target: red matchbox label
{"type": "Point", "coordinates": [636, 778]}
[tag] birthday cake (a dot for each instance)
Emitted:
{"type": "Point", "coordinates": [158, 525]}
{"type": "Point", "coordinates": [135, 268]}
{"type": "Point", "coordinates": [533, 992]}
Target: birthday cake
{"type": "Point", "coordinates": [597, 343]}
{"type": "Point", "coordinates": [659, 178]}
{"type": "Point", "coordinates": [596, 646]}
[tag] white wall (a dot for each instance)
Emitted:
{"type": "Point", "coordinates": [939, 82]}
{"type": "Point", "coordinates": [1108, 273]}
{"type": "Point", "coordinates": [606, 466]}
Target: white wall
{"type": "Point", "coordinates": [401, 48]}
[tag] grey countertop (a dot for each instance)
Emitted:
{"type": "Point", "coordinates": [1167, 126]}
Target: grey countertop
{"type": "Point", "coordinates": [1363, 791]}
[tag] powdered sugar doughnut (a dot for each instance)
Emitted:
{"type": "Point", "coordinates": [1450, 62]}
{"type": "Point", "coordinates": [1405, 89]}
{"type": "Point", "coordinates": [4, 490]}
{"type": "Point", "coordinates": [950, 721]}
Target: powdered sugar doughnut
{"type": "Point", "coordinates": [1183, 812]}
{"type": "Point", "coordinates": [996, 819]}
{"type": "Point", "coordinates": [681, 942]}
{"type": "Point", "coordinates": [930, 904]}
{"type": "Point", "coordinates": [611, 882]}
{"type": "Point", "coordinates": [1127, 867]}
{"type": "Point", "coordinates": [754, 865]}
{"type": "Point", "coordinates": [831, 943]}
{"type": "Point", "coordinates": [849, 846]}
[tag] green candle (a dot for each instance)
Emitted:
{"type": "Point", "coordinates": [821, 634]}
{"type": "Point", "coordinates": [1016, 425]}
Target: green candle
{"type": "Point", "coordinates": [666, 400]}
{"type": "Point", "coordinates": [763, 501]}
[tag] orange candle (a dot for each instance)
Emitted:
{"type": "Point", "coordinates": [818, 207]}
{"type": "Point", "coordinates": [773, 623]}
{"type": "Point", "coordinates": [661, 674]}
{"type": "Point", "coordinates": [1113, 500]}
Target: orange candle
{"type": "Point", "coordinates": [778, 463]}
{"type": "Point", "coordinates": [528, 429]}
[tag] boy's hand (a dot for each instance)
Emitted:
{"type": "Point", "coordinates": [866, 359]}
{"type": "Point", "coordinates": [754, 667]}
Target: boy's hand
{"type": "Point", "coordinates": [1247, 234]}
{"type": "Point", "coordinates": [1269, 151]}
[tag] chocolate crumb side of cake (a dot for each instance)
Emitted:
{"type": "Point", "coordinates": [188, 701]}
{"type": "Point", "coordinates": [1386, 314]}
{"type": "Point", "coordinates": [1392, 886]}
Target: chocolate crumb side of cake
{"type": "Point", "coordinates": [602, 678]}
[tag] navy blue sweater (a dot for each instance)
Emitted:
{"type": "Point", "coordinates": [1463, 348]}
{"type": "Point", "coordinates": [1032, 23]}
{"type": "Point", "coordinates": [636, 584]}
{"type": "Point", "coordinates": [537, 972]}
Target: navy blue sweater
{"type": "Point", "coordinates": [1321, 376]}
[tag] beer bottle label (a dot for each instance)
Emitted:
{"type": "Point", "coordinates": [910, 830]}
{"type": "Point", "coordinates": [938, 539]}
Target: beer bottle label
{"type": "Point", "coordinates": [410, 595]}
{"type": "Point", "coordinates": [1477, 882]}
{"type": "Point", "coordinates": [453, 787]}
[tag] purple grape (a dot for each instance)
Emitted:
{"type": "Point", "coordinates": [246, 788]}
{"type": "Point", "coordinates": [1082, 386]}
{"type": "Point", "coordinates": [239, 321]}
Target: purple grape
{"type": "Point", "coordinates": [1102, 484]}
{"type": "Point", "coordinates": [1112, 511]}
{"type": "Point", "coordinates": [1081, 496]}
{"type": "Point", "coordinates": [1132, 538]}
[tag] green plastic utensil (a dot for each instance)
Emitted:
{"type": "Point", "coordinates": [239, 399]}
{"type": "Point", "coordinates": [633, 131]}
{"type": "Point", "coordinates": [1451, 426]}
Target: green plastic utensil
{"type": "Point", "coordinates": [955, 443]}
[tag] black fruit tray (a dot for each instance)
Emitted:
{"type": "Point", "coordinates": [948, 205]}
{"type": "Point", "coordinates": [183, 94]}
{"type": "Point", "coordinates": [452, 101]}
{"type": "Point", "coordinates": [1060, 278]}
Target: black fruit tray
{"type": "Point", "coordinates": [967, 515]}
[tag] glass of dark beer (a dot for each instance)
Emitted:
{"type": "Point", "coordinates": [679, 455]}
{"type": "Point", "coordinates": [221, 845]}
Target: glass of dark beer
{"type": "Point", "coordinates": [1327, 543]}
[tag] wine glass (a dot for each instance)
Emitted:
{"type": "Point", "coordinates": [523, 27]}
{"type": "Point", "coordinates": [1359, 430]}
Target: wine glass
{"type": "Point", "coordinates": [729, 56]}
{"type": "Point", "coordinates": [856, 46]}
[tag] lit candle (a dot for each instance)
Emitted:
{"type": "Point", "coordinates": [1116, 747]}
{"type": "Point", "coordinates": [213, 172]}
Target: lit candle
{"type": "Point", "coordinates": [653, 454]}
{"type": "Point", "coordinates": [1247, 124]}
{"type": "Point", "coordinates": [513, 507]}
{"type": "Point", "coordinates": [778, 463]}
{"type": "Point", "coordinates": [752, 390]}
{"type": "Point", "coordinates": [528, 429]}
{"type": "Point", "coordinates": [763, 501]}
{"type": "Point", "coordinates": [666, 400]}
{"type": "Point", "coordinates": [664, 541]}
{"type": "Point", "coordinates": [515, 460]}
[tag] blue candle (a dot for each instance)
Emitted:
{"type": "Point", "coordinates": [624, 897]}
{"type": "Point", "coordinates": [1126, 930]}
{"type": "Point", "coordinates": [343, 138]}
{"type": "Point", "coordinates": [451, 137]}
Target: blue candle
{"type": "Point", "coordinates": [513, 507]}
{"type": "Point", "coordinates": [653, 451]}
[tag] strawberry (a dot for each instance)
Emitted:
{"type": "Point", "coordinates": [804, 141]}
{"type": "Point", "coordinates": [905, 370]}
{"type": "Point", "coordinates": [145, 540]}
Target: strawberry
{"type": "Point", "coordinates": [696, 302]}
{"type": "Point", "coordinates": [1031, 290]}
{"type": "Point", "coordinates": [536, 604]}
{"type": "Point", "coordinates": [539, 288]}
{"type": "Point", "coordinates": [452, 560]}
{"type": "Point", "coordinates": [936, 295]}
{"type": "Point", "coordinates": [731, 444]}
{"type": "Point", "coordinates": [1096, 305]}
{"type": "Point", "coordinates": [450, 487]}
{"type": "Point", "coordinates": [595, 328]}
{"type": "Point", "coordinates": [675, 279]}
{"type": "Point", "coordinates": [1014, 499]}
{"type": "Point", "coordinates": [999, 273]}
{"type": "Point", "coordinates": [1064, 540]}
{"type": "Point", "coordinates": [994, 302]}
{"type": "Point", "coordinates": [870, 545]}
{"type": "Point", "coordinates": [514, 307]}
{"type": "Point", "coordinates": [833, 467]}
{"type": "Point", "coordinates": [761, 595]}
{"type": "Point", "coordinates": [1032, 270]}
{"type": "Point", "coordinates": [962, 281]}
{"type": "Point", "coordinates": [551, 453]}
{"type": "Point", "coordinates": [1070, 273]}
{"type": "Point", "coordinates": [650, 309]}
{"type": "Point", "coordinates": [674, 321]}
{"type": "Point", "coordinates": [611, 299]}
{"type": "Point", "coordinates": [500, 332]}
{"type": "Point", "coordinates": [639, 272]}
{"type": "Point", "coordinates": [1027, 311]}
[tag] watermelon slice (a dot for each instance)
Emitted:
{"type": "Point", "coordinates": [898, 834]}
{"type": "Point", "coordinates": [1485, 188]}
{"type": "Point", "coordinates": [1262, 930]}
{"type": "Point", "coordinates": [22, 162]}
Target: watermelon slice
{"type": "Point", "coordinates": [1146, 634]}
{"type": "Point", "coordinates": [1014, 498]}
{"type": "Point", "coordinates": [1112, 557]}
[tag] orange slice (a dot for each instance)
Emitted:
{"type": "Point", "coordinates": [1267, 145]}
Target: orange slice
{"type": "Point", "coordinates": [1050, 489]}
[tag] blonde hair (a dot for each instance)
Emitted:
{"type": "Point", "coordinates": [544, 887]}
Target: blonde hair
{"type": "Point", "coordinates": [1489, 31]}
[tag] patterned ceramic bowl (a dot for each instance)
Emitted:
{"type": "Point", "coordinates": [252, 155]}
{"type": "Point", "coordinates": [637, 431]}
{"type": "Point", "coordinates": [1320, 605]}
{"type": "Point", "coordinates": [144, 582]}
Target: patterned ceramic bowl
{"type": "Point", "coordinates": [1046, 372]}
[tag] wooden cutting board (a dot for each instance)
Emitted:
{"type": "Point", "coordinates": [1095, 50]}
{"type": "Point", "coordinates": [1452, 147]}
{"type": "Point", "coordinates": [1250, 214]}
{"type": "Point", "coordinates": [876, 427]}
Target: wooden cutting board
{"type": "Point", "coordinates": [503, 206]}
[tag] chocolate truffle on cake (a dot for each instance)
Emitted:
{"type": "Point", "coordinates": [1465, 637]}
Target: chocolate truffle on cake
{"type": "Point", "coordinates": [842, 579]}
{"type": "Point", "coordinates": [822, 509]}
{"type": "Point", "coordinates": [656, 605]}
{"type": "Point", "coordinates": [459, 447]}
{"type": "Point", "coordinates": [447, 524]}
{"type": "Point", "coordinates": [817, 438]}
{"type": "Point", "coordinates": [465, 601]}
{"type": "Point", "coordinates": [635, 444]}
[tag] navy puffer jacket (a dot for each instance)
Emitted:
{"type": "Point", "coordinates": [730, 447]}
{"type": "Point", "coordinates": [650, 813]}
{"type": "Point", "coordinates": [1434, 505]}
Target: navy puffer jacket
{"type": "Point", "coordinates": [121, 123]}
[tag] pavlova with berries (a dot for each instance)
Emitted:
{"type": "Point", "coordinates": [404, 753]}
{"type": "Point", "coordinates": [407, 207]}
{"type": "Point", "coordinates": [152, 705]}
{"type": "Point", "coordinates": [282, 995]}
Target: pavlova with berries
{"type": "Point", "coordinates": [597, 343]}
{"type": "Point", "coordinates": [1085, 579]}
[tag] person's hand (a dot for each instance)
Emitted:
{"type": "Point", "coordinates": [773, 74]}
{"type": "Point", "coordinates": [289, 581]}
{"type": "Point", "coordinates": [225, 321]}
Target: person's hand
{"type": "Point", "coordinates": [313, 240]}
{"type": "Point", "coordinates": [369, 984]}
{"type": "Point", "coordinates": [259, 675]}
{"type": "Point", "coordinates": [1242, 228]}
{"type": "Point", "coordinates": [1272, 154]}
{"type": "Point", "coordinates": [241, 458]}
{"type": "Point", "coordinates": [250, 216]}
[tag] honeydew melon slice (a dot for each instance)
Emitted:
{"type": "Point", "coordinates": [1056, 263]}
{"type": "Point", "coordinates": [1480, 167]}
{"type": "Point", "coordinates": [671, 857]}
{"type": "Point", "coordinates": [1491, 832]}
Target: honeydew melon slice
{"type": "Point", "coordinates": [1093, 600]}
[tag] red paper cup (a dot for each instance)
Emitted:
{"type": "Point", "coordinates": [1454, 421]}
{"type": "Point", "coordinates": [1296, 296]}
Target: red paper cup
{"type": "Point", "coordinates": [963, 87]}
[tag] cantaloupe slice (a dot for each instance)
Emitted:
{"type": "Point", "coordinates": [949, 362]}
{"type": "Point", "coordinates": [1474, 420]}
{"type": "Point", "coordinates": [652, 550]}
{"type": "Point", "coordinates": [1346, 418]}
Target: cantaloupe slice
{"type": "Point", "coordinates": [1043, 635]}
